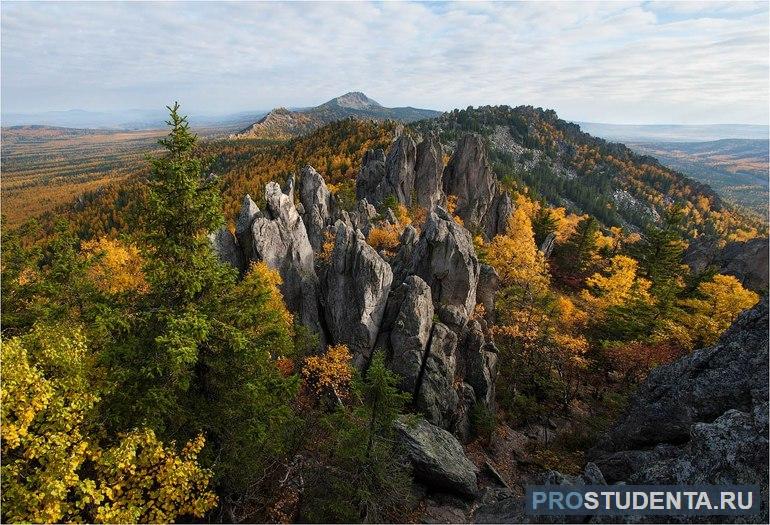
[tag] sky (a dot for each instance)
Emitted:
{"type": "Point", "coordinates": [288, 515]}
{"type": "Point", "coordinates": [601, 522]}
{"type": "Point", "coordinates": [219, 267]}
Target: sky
{"type": "Point", "coordinates": [616, 62]}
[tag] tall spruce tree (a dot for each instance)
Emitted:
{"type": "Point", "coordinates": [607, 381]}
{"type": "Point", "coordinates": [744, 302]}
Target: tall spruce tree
{"type": "Point", "coordinates": [576, 254]}
{"type": "Point", "coordinates": [543, 223]}
{"type": "Point", "coordinates": [660, 253]}
{"type": "Point", "coordinates": [198, 356]}
{"type": "Point", "coordinates": [182, 208]}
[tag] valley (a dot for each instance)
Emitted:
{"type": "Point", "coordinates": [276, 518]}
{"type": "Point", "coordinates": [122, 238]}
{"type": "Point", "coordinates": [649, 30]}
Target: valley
{"type": "Point", "coordinates": [737, 169]}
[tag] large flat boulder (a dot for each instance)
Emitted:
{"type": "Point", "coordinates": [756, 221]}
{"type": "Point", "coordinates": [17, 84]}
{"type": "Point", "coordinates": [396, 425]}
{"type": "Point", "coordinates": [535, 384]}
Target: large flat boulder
{"type": "Point", "coordinates": [438, 459]}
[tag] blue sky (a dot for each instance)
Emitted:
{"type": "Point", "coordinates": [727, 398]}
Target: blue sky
{"type": "Point", "coordinates": [620, 62]}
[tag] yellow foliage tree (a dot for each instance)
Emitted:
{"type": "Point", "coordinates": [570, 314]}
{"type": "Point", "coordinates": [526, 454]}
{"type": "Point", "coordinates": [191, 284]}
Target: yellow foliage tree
{"type": "Point", "coordinates": [384, 238]}
{"type": "Point", "coordinates": [515, 255]}
{"type": "Point", "coordinates": [617, 287]}
{"type": "Point", "coordinates": [117, 266]}
{"type": "Point", "coordinates": [266, 280]}
{"type": "Point", "coordinates": [706, 317]}
{"type": "Point", "coordinates": [54, 467]}
{"type": "Point", "coordinates": [329, 373]}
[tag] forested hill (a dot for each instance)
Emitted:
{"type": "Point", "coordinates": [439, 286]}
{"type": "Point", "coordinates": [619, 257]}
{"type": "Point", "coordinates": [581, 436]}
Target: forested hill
{"type": "Point", "coordinates": [532, 147]}
{"type": "Point", "coordinates": [531, 150]}
{"type": "Point", "coordinates": [281, 123]}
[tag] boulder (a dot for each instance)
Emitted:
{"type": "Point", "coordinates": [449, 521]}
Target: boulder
{"type": "Point", "coordinates": [429, 168]}
{"type": "Point", "coordinates": [316, 204]}
{"type": "Point", "coordinates": [226, 247]}
{"type": "Point", "coordinates": [437, 457]}
{"type": "Point", "coordinates": [700, 420]}
{"type": "Point", "coordinates": [410, 333]}
{"type": "Point", "coordinates": [591, 476]}
{"type": "Point", "coordinates": [446, 259]}
{"type": "Point", "coordinates": [356, 288]}
{"type": "Point", "coordinates": [436, 396]}
{"type": "Point", "coordinates": [509, 508]}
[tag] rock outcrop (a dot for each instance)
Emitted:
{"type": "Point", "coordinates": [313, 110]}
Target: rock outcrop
{"type": "Point", "coordinates": [316, 205]}
{"type": "Point", "coordinates": [422, 323]}
{"type": "Point", "coordinates": [437, 457]}
{"type": "Point", "coordinates": [445, 258]}
{"type": "Point", "coordinates": [363, 217]}
{"type": "Point", "coordinates": [410, 332]}
{"type": "Point", "coordinates": [248, 213]}
{"type": "Point", "coordinates": [546, 248]}
{"type": "Point", "coordinates": [356, 289]}
{"type": "Point", "coordinates": [468, 176]}
{"type": "Point", "coordinates": [486, 291]}
{"type": "Point", "coordinates": [279, 238]}
{"type": "Point", "coordinates": [436, 396]}
{"type": "Point", "coordinates": [496, 220]}
{"type": "Point", "coordinates": [371, 175]}
{"type": "Point", "coordinates": [480, 360]}
{"type": "Point", "coordinates": [226, 247]}
{"type": "Point", "coordinates": [392, 176]}
{"type": "Point", "coordinates": [700, 420]}
{"type": "Point", "coordinates": [429, 168]}
{"type": "Point", "coordinates": [399, 167]}
{"type": "Point", "coordinates": [747, 261]}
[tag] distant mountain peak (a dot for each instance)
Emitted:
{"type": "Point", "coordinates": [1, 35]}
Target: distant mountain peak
{"type": "Point", "coordinates": [355, 100]}
{"type": "Point", "coordinates": [282, 123]}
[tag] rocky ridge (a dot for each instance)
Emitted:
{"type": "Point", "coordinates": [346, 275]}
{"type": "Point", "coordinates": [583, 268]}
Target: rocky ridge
{"type": "Point", "coordinates": [416, 306]}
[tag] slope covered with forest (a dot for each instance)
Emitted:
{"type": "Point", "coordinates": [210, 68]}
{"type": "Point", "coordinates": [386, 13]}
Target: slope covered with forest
{"type": "Point", "coordinates": [369, 323]}
{"type": "Point", "coordinates": [556, 161]}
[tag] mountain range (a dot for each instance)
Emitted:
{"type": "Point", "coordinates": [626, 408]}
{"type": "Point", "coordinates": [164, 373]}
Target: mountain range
{"type": "Point", "coordinates": [282, 123]}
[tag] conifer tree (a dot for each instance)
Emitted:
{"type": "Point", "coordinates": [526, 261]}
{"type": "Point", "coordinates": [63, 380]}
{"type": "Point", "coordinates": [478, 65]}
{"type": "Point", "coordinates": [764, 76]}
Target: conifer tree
{"type": "Point", "coordinates": [182, 208]}
{"type": "Point", "coordinates": [199, 354]}
{"type": "Point", "coordinates": [660, 253]}
{"type": "Point", "coordinates": [576, 254]}
{"type": "Point", "coordinates": [543, 223]}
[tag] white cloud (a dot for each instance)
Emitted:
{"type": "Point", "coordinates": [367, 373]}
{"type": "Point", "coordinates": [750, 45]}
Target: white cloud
{"type": "Point", "coordinates": [611, 62]}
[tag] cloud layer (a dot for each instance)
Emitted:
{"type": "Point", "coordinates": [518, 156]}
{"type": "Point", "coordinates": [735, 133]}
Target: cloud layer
{"type": "Point", "coordinates": [610, 62]}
